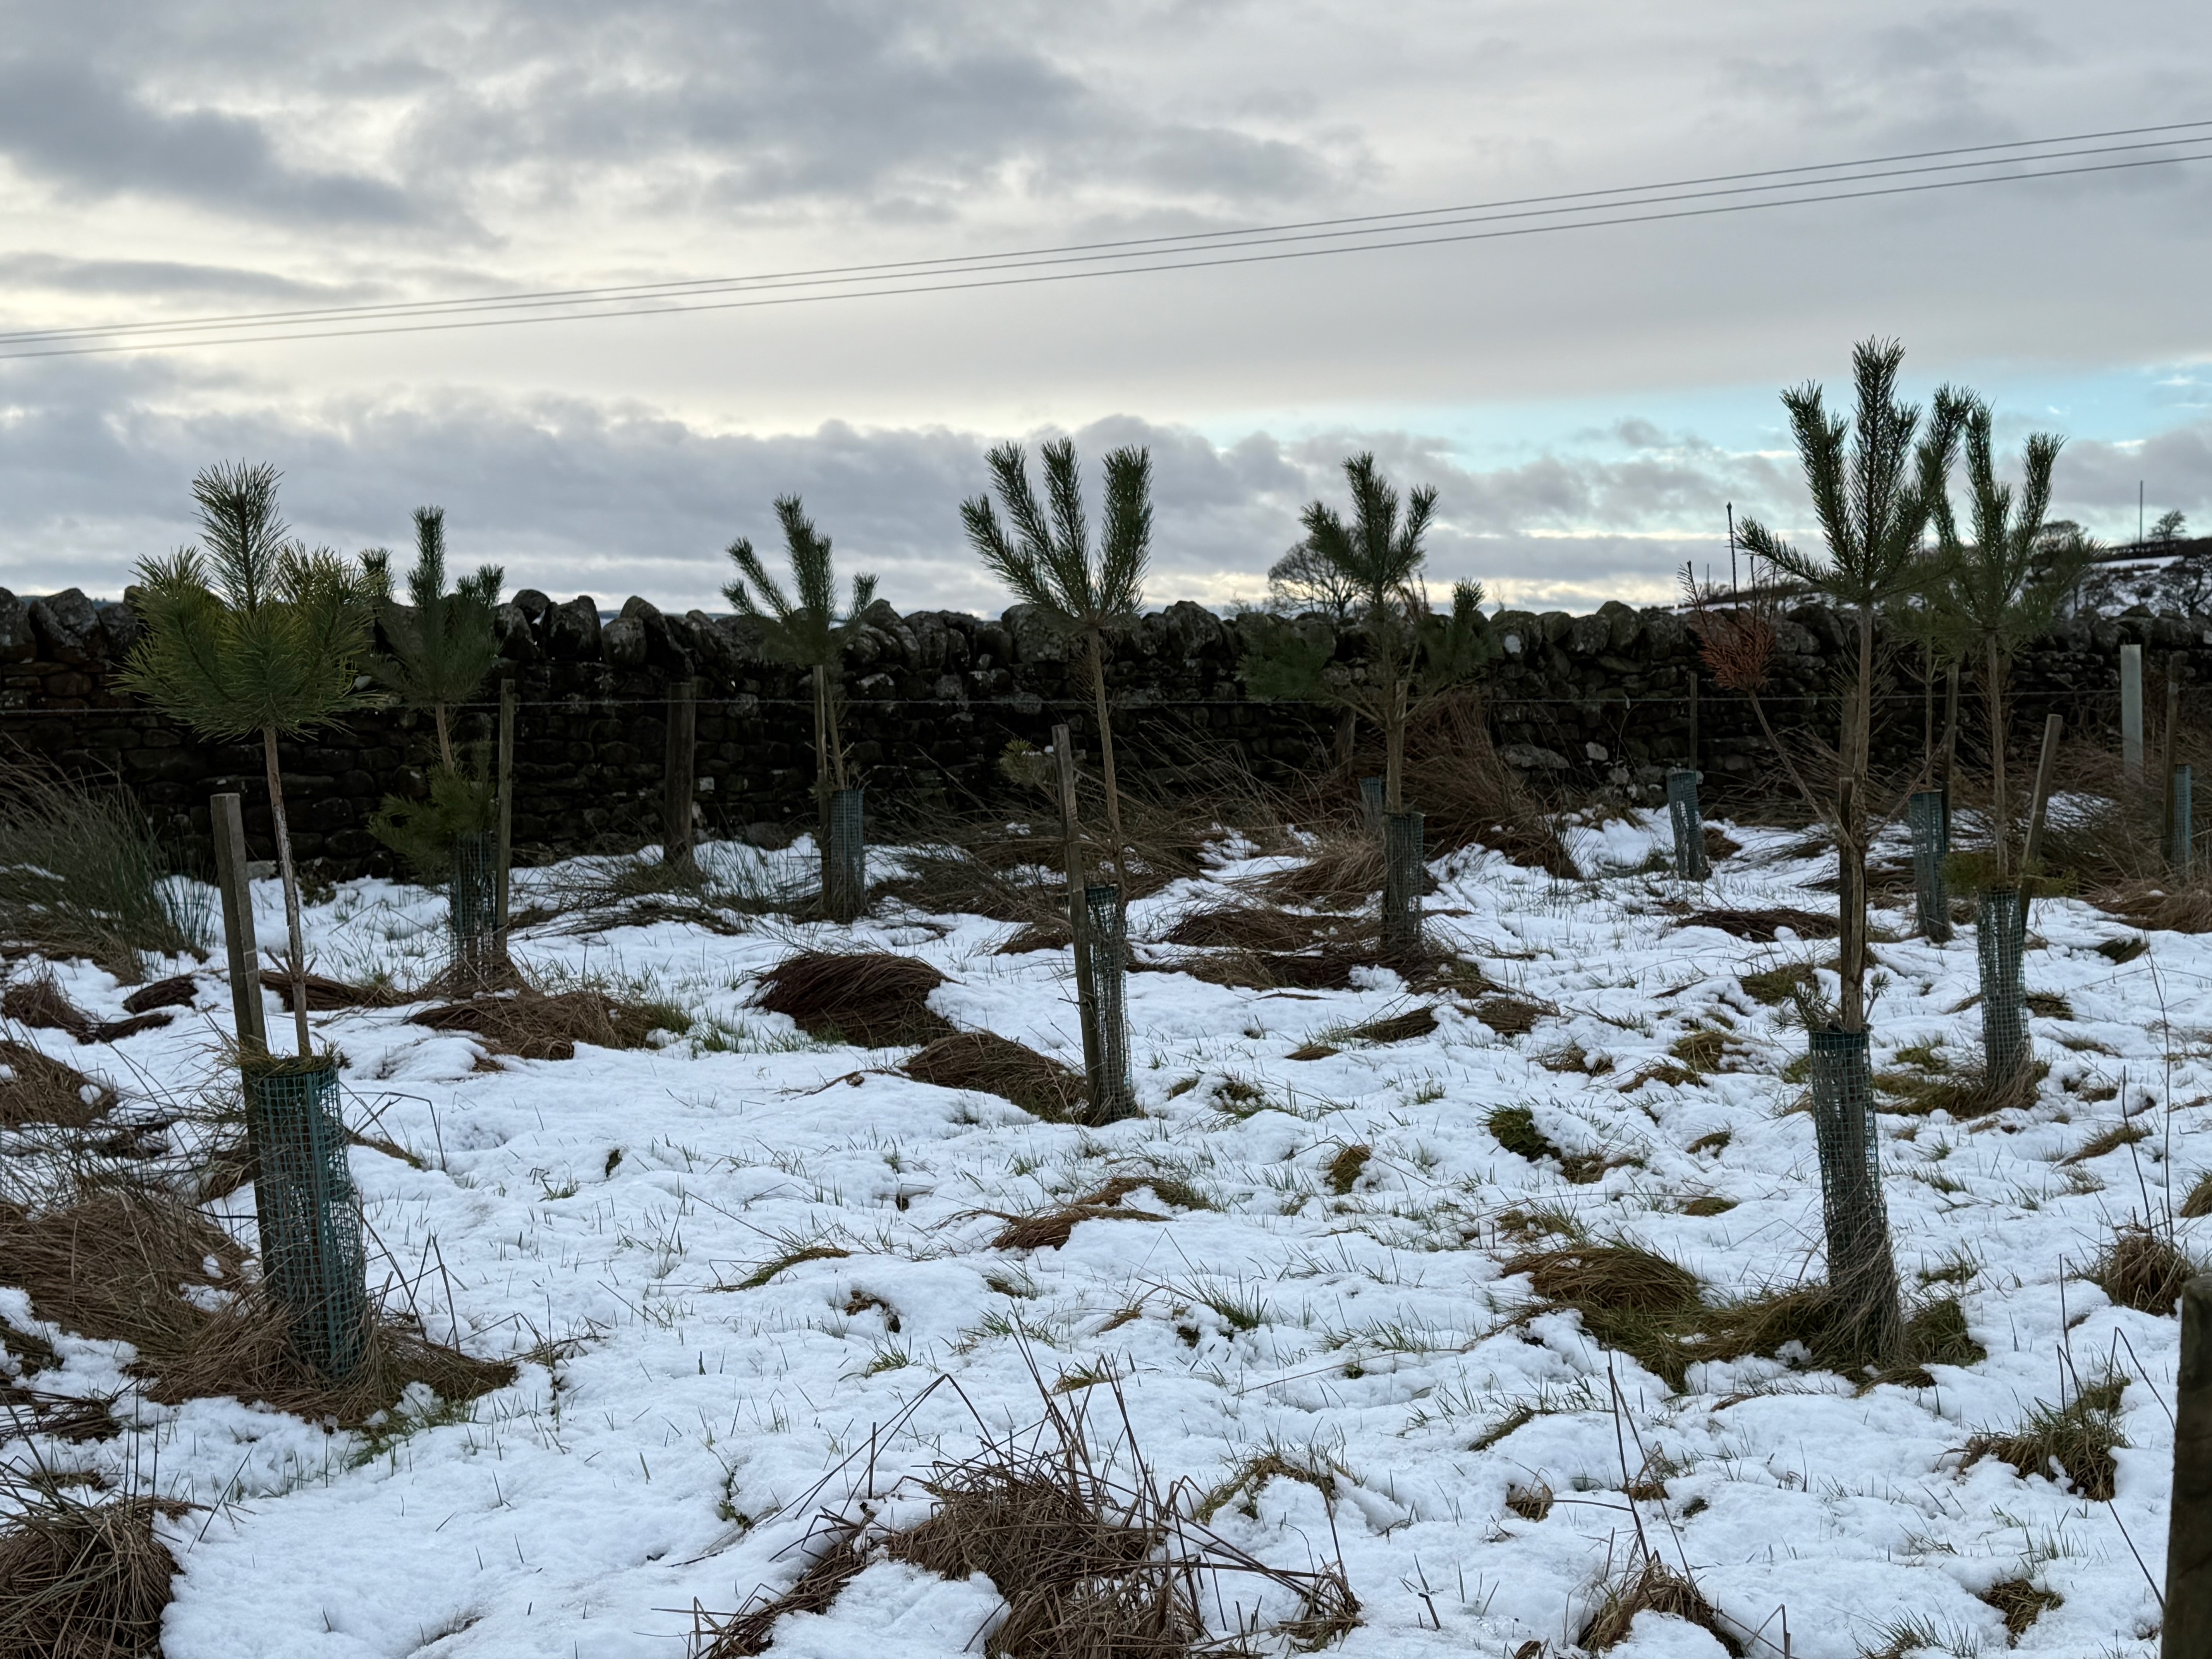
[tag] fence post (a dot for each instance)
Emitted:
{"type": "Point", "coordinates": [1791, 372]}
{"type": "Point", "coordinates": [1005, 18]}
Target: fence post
{"type": "Point", "coordinates": [2131, 713]}
{"type": "Point", "coordinates": [1688, 824]}
{"type": "Point", "coordinates": [2039, 813]}
{"type": "Point", "coordinates": [676, 804]}
{"type": "Point", "coordinates": [506, 704]}
{"type": "Point", "coordinates": [1071, 830]}
{"type": "Point", "coordinates": [238, 937]}
{"type": "Point", "coordinates": [2165, 746]}
{"type": "Point", "coordinates": [2188, 1632]}
{"type": "Point", "coordinates": [2183, 843]}
{"type": "Point", "coordinates": [1372, 804]}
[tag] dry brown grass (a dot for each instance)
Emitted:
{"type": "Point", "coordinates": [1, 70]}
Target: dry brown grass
{"type": "Point", "coordinates": [1347, 1167]}
{"type": "Point", "coordinates": [531, 1025]}
{"type": "Point", "coordinates": [1344, 867]}
{"type": "Point", "coordinates": [1510, 1016]}
{"type": "Point", "coordinates": [1764, 926]}
{"type": "Point", "coordinates": [36, 1001]}
{"type": "Point", "coordinates": [126, 1265]}
{"type": "Point", "coordinates": [837, 1551]}
{"type": "Point", "coordinates": [325, 994]}
{"type": "Point", "coordinates": [1050, 1229]}
{"type": "Point", "coordinates": [1247, 926]}
{"type": "Point", "coordinates": [82, 1580]}
{"type": "Point", "coordinates": [2019, 1604]}
{"type": "Point", "coordinates": [1531, 1502]}
{"type": "Point", "coordinates": [1093, 1559]}
{"type": "Point", "coordinates": [1329, 968]}
{"type": "Point", "coordinates": [2141, 1268]}
{"type": "Point", "coordinates": [34, 1088]}
{"type": "Point", "coordinates": [2074, 1441]}
{"type": "Point", "coordinates": [1054, 935]}
{"type": "Point", "coordinates": [998, 1065]}
{"type": "Point", "coordinates": [1472, 798]}
{"type": "Point", "coordinates": [869, 997]}
{"type": "Point", "coordinates": [1651, 1587]}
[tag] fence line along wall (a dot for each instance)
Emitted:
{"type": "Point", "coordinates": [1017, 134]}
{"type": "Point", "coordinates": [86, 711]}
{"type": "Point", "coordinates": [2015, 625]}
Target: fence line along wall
{"type": "Point", "coordinates": [933, 699]}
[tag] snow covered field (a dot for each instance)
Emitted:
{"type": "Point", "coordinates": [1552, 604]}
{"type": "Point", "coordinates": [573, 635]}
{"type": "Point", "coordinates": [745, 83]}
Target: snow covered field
{"type": "Point", "coordinates": [726, 1259]}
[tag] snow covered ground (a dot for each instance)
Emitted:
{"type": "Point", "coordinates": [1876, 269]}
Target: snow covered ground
{"type": "Point", "coordinates": [602, 1216]}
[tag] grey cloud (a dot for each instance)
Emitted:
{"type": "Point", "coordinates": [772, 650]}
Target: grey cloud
{"type": "Point", "coordinates": [59, 273]}
{"type": "Point", "coordinates": [89, 136]}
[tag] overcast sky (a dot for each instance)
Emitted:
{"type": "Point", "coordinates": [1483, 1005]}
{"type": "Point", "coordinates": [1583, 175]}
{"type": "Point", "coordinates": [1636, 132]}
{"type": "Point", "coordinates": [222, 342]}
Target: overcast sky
{"type": "Point", "coordinates": [1585, 402]}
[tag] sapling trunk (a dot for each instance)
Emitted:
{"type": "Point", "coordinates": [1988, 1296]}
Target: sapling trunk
{"type": "Point", "coordinates": [1394, 770]}
{"type": "Point", "coordinates": [1106, 760]}
{"type": "Point", "coordinates": [291, 884]}
{"type": "Point", "coordinates": [445, 737]}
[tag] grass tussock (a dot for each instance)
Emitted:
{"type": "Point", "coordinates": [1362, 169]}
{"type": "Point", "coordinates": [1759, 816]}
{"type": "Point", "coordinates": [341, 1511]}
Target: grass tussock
{"type": "Point", "coordinates": [2196, 1203]}
{"type": "Point", "coordinates": [986, 872]}
{"type": "Point", "coordinates": [37, 1000]}
{"type": "Point", "coordinates": [1050, 1229]}
{"type": "Point", "coordinates": [1772, 987]}
{"type": "Point", "coordinates": [2020, 1603]}
{"type": "Point", "coordinates": [81, 1579]}
{"type": "Point", "coordinates": [2072, 1443]}
{"type": "Point", "coordinates": [139, 1267]}
{"type": "Point", "coordinates": [1510, 1016]}
{"type": "Point", "coordinates": [1347, 1167]}
{"type": "Point", "coordinates": [326, 995]}
{"type": "Point", "coordinates": [1343, 867]}
{"type": "Point", "coordinates": [35, 1088]}
{"type": "Point", "coordinates": [998, 1065]}
{"type": "Point", "coordinates": [1514, 1129]}
{"type": "Point", "coordinates": [1651, 1586]}
{"type": "Point", "coordinates": [1469, 796]}
{"type": "Point", "coordinates": [2143, 1268]}
{"type": "Point", "coordinates": [1250, 926]}
{"type": "Point", "coordinates": [1764, 926]}
{"type": "Point", "coordinates": [531, 1025]}
{"type": "Point", "coordinates": [837, 1551]}
{"type": "Point", "coordinates": [872, 999]}
{"type": "Point", "coordinates": [1093, 1558]}
{"type": "Point", "coordinates": [84, 875]}
{"type": "Point", "coordinates": [1031, 936]}
{"type": "Point", "coordinates": [1653, 1310]}
{"type": "Point", "coordinates": [1329, 968]}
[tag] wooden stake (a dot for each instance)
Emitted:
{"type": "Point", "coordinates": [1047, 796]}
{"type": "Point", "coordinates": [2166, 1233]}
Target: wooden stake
{"type": "Point", "coordinates": [238, 924]}
{"type": "Point", "coordinates": [2165, 746]}
{"type": "Point", "coordinates": [1071, 830]}
{"type": "Point", "coordinates": [2131, 713]}
{"type": "Point", "coordinates": [2188, 1624]}
{"type": "Point", "coordinates": [676, 804]}
{"type": "Point", "coordinates": [505, 802]}
{"type": "Point", "coordinates": [2040, 810]}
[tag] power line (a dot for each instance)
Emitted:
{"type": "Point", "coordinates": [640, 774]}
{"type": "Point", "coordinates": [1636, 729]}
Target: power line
{"type": "Point", "coordinates": [1575, 210]}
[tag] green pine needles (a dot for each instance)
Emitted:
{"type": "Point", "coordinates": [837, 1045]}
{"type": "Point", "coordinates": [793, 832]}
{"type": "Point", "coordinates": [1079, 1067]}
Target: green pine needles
{"type": "Point", "coordinates": [1874, 480]}
{"type": "Point", "coordinates": [803, 627]}
{"type": "Point", "coordinates": [1042, 552]}
{"type": "Point", "coordinates": [2001, 587]}
{"type": "Point", "coordinates": [1374, 559]}
{"type": "Point", "coordinates": [247, 633]}
{"type": "Point", "coordinates": [442, 643]}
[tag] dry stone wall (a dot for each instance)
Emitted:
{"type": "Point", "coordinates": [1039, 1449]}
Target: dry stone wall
{"type": "Point", "coordinates": [1608, 700]}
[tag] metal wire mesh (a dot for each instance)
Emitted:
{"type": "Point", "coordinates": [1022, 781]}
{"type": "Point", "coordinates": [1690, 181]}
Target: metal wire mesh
{"type": "Point", "coordinates": [1861, 1276]}
{"type": "Point", "coordinates": [1105, 947]}
{"type": "Point", "coordinates": [472, 905]}
{"type": "Point", "coordinates": [2181, 854]}
{"type": "Point", "coordinates": [844, 858]}
{"type": "Point", "coordinates": [312, 1255]}
{"type": "Point", "coordinates": [2000, 924]}
{"type": "Point", "coordinates": [1374, 797]}
{"type": "Point", "coordinates": [1402, 870]}
{"type": "Point", "coordinates": [1931, 845]}
{"type": "Point", "coordinates": [1689, 825]}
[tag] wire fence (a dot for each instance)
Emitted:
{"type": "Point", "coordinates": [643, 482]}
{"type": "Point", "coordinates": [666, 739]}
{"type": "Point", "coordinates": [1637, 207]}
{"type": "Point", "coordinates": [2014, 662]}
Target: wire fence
{"type": "Point", "coordinates": [844, 857]}
{"type": "Point", "coordinates": [1105, 943]}
{"type": "Point", "coordinates": [2000, 927]}
{"type": "Point", "coordinates": [1688, 824]}
{"type": "Point", "coordinates": [472, 907]}
{"type": "Point", "coordinates": [1403, 869]}
{"type": "Point", "coordinates": [1928, 817]}
{"type": "Point", "coordinates": [312, 1258]}
{"type": "Point", "coordinates": [1862, 1278]}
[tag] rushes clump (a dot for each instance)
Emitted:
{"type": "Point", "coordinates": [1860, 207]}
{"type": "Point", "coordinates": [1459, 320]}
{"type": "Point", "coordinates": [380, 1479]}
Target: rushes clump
{"type": "Point", "coordinates": [84, 874]}
{"type": "Point", "coordinates": [82, 1580]}
{"type": "Point", "coordinates": [870, 998]}
{"type": "Point", "coordinates": [2075, 1441]}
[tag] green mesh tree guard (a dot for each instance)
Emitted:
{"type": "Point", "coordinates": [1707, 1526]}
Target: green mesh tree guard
{"type": "Point", "coordinates": [472, 907]}
{"type": "Point", "coordinates": [844, 858]}
{"type": "Point", "coordinates": [1402, 870]}
{"type": "Point", "coordinates": [312, 1255]}
{"type": "Point", "coordinates": [1374, 798]}
{"type": "Point", "coordinates": [2181, 855]}
{"type": "Point", "coordinates": [1931, 845]}
{"type": "Point", "coordinates": [1861, 1278]}
{"type": "Point", "coordinates": [2000, 927]}
{"type": "Point", "coordinates": [1104, 943]}
{"type": "Point", "coordinates": [1689, 825]}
